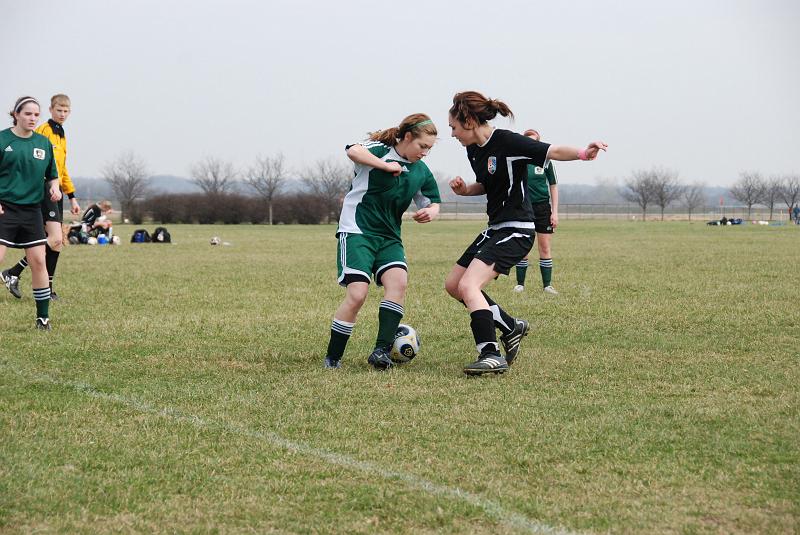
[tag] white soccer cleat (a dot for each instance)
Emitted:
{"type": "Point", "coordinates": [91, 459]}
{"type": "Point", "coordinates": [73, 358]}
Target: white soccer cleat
{"type": "Point", "coordinates": [549, 290]}
{"type": "Point", "coordinates": [519, 288]}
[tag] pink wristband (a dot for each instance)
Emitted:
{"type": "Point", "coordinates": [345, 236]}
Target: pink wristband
{"type": "Point", "coordinates": [582, 155]}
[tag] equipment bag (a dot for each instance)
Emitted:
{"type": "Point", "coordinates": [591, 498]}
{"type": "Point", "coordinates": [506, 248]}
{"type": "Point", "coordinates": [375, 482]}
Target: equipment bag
{"type": "Point", "coordinates": [161, 235]}
{"type": "Point", "coordinates": [141, 236]}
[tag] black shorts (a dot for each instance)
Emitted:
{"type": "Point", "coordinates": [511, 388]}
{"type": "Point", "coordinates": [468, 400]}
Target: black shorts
{"type": "Point", "coordinates": [21, 225]}
{"type": "Point", "coordinates": [503, 247]}
{"type": "Point", "coordinates": [52, 211]}
{"type": "Point", "coordinates": [541, 217]}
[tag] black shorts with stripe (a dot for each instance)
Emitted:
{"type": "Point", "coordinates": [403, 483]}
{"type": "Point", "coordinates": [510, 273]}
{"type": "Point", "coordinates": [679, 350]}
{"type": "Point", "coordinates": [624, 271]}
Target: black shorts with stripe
{"type": "Point", "coordinates": [541, 217]}
{"type": "Point", "coordinates": [52, 211]}
{"type": "Point", "coordinates": [503, 247]}
{"type": "Point", "coordinates": [21, 225]}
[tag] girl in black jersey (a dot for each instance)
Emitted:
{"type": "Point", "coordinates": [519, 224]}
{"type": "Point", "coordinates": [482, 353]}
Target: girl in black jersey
{"type": "Point", "coordinates": [499, 159]}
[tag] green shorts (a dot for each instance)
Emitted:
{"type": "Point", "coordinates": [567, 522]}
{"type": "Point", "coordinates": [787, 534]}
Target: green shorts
{"type": "Point", "coordinates": [360, 256]}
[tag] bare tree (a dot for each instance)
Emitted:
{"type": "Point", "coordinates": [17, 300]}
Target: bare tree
{"type": "Point", "coordinates": [666, 187]}
{"type": "Point", "coordinates": [748, 190]}
{"type": "Point", "coordinates": [214, 176]}
{"type": "Point", "coordinates": [129, 178]}
{"type": "Point", "coordinates": [790, 191]}
{"type": "Point", "coordinates": [639, 188]}
{"type": "Point", "coordinates": [267, 176]}
{"type": "Point", "coordinates": [694, 197]}
{"type": "Point", "coordinates": [772, 194]}
{"type": "Point", "coordinates": [329, 180]}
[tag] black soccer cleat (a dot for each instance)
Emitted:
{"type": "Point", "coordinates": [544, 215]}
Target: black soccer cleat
{"type": "Point", "coordinates": [43, 324]}
{"type": "Point", "coordinates": [380, 359]}
{"type": "Point", "coordinates": [487, 363]}
{"type": "Point", "coordinates": [512, 340]}
{"type": "Point", "coordinates": [12, 283]}
{"type": "Point", "coordinates": [332, 364]}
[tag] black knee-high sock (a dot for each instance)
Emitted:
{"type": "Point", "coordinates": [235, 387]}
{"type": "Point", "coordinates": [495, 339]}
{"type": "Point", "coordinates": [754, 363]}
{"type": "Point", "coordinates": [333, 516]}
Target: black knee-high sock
{"type": "Point", "coordinates": [482, 325]}
{"type": "Point", "coordinates": [16, 269]}
{"type": "Point", "coordinates": [502, 320]}
{"type": "Point", "coordinates": [50, 260]}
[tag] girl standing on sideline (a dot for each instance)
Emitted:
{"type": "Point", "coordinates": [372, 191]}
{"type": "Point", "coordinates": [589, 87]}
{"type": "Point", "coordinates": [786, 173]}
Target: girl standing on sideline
{"type": "Point", "coordinates": [389, 173]}
{"type": "Point", "coordinates": [499, 159]}
{"type": "Point", "coordinates": [543, 196]}
{"type": "Point", "coordinates": [26, 163]}
{"type": "Point", "coordinates": [52, 213]}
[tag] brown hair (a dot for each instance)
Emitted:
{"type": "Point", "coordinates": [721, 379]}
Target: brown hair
{"type": "Point", "coordinates": [61, 99]}
{"type": "Point", "coordinates": [104, 205]}
{"type": "Point", "coordinates": [417, 123]}
{"type": "Point", "coordinates": [471, 105]}
{"type": "Point", "coordinates": [21, 101]}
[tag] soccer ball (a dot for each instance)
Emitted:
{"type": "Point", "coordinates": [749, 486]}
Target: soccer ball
{"type": "Point", "coordinates": [102, 239]}
{"type": "Point", "coordinates": [215, 240]}
{"type": "Point", "coordinates": [116, 240]}
{"type": "Point", "coordinates": [406, 344]}
{"type": "Point", "coordinates": [92, 241]}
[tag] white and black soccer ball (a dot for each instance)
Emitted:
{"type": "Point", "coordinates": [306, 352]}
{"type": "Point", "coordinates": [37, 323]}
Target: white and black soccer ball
{"type": "Point", "coordinates": [406, 344]}
{"type": "Point", "coordinates": [215, 240]}
{"type": "Point", "coordinates": [92, 240]}
{"type": "Point", "coordinates": [116, 240]}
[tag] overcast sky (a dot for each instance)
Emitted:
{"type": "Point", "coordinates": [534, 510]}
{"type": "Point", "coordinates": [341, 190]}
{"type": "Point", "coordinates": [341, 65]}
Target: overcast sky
{"type": "Point", "coordinates": [708, 88]}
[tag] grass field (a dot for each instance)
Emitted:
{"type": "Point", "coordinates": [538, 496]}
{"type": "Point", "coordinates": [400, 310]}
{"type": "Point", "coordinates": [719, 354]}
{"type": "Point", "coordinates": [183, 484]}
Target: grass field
{"type": "Point", "coordinates": [181, 390]}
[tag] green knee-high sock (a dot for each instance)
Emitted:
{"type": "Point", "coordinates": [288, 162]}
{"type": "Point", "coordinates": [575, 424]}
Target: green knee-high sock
{"type": "Point", "coordinates": [389, 316]}
{"type": "Point", "coordinates": [522, 269]}
{"type": "Point", "coordinates": [546, 267]}
{"type": "Point", "coordinates": [340, 334]}
{"type": "Point", "coordinates": [42, 298]}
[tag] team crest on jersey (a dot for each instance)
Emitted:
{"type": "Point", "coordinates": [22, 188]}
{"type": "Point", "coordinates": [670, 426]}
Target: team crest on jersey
{"type": "Point", "coordinates": [38, 154]}
{"type": "Point", "coordinates": [539, 170]}
{"type": "Point", "coordinates": [492, 165]}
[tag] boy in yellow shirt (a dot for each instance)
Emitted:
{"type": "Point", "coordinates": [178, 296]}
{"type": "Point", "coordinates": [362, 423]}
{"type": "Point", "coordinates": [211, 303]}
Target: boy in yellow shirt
{"type": "Point", "coordinates": [52, 212]}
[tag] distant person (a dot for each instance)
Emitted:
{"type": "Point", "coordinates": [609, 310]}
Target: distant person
{"type": "Point", "coordinates": [389, 173]}
{"type": "Point", "coordinates": [27, 163]}
{"type": "Point", "coordinates": [499, 159]}
{"type": "Point", "coordinates": [796, 212]}
{"type": "Point", "coordinates": [96, 221]}
{"type": "Point", "coordinates": [543, 196]}
{"type": "Point", "coordinates": [52, 213]}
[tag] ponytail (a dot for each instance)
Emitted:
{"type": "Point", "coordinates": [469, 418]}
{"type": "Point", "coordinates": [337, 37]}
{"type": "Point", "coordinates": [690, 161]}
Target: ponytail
{"type": "Point", "coordinates": [471, 105]}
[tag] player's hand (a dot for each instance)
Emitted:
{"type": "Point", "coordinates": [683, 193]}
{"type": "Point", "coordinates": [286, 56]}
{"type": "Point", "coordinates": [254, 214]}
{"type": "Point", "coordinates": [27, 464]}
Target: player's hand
{"type": "Point", "coordinates": [426, 215]}
{"type": "Point", "coordinates": [1, 209]}
{"type": "Point", "coordinates": [394, 168]}
{"type": "Point", "coordinates": [458, 186]}
{"type": "Point", "coordinates": [55, 193]}
{"type": "Point", "coordinates": [594, 149]}
{"type": "Point", "coordinates": [554, 220]}
{"type": "Point", "coordinates": [76, 208]}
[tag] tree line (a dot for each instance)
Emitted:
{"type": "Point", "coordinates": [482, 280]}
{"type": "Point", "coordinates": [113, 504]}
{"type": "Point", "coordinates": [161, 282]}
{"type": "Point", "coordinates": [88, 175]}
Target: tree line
{"type": "Point", "coordinates": [661, 187]}
{"type": "Point", "coordinates": [259, 193]}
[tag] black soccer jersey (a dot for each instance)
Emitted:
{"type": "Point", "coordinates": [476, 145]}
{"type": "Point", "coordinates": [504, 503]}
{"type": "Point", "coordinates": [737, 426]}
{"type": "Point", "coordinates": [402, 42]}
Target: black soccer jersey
{"type": "Point", "coordinates": [501, 166]}
{"type": "Point", "coordinates": [91, 215]}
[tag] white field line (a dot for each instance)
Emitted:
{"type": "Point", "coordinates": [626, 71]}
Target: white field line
{"type": "Point", "coordinates": [495, 510]}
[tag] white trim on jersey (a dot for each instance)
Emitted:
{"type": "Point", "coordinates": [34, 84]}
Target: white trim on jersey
{"type": "Point", "coordinates": [488, 138]}
{"type": "Point", "coordinates": [509, 161]}
{"type": "Point", "coordinates": [512, 224]}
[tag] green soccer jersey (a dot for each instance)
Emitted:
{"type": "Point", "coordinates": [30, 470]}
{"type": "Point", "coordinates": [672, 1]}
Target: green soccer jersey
{"type": "Point", "coordinates": [376, 200]}
{"type": "Point", "coordinates": [25, 165]}
{"type": "Point", "coordinates": [539, 182]}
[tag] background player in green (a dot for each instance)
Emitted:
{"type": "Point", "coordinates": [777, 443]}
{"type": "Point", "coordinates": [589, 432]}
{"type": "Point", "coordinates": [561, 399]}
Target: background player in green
{"type": "Point", "coordinates": [26, 163]}
{"type": "Point", "coordinates": [543, 195]}
{"type": "Point", "coordinates": [389, 174]}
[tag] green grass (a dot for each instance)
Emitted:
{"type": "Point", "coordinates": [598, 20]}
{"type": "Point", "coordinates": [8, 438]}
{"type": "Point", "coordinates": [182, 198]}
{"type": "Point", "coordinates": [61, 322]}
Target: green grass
{"type": "Point", "coordinates": [181, 390]}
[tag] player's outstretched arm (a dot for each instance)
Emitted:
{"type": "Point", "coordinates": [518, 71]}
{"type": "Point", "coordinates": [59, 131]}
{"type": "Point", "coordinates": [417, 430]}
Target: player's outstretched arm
{"type": "Point", "coordinates": [55, 190]}
{"type": "Point", "coordinates": [565, 153]}
{"type": "Point", "coordinates": [460, 187]}
{"type": "Point", "coordinates": [359, 154]}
